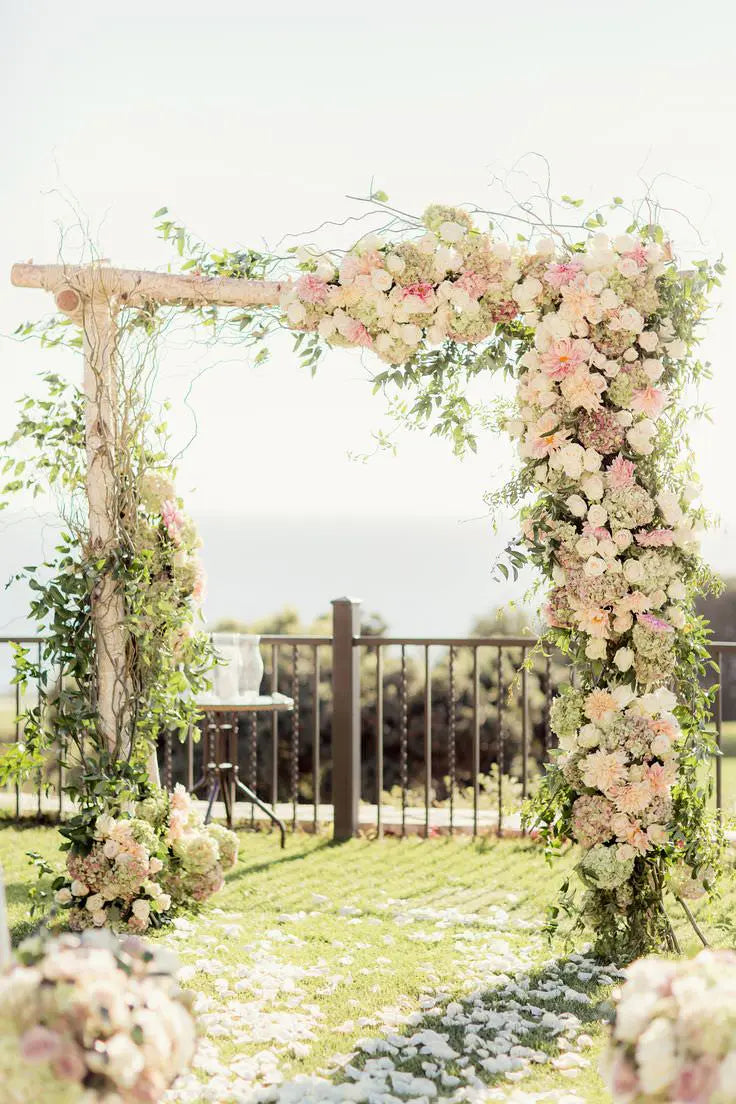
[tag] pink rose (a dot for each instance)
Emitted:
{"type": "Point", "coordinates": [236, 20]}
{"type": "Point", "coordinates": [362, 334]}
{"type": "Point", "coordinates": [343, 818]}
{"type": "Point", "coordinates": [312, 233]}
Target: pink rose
{"type": "Point", "coordinates": [696, 1082]}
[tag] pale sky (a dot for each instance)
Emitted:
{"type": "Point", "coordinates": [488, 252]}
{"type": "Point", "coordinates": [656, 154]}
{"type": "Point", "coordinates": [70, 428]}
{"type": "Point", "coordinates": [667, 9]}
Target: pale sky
{"type": "Point", "coordinates": [248, 126]}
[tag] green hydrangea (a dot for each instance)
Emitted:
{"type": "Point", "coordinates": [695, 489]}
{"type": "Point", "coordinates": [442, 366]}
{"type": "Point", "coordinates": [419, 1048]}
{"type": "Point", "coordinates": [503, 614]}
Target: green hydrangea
{"type": "Point", "coordinates": [227, 843]}
{"type": "Point", "coordinates": [566, 713]}
{"type": "Point", "coordinates": [600, 868]}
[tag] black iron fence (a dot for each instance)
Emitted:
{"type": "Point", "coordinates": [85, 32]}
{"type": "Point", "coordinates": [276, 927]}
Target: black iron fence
{"type": "Point", "coordinates": [387, 734]}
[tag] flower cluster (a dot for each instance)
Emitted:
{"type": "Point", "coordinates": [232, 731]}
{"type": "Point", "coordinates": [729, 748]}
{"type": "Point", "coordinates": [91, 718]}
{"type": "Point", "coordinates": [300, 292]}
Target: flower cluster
{"type": "Point", "coordinates": [88, 1020]}
{"type": "Point", "coordinates": [130, 869]}
{"type": "Point", "coordinates": [619, 751]}
{"type": "Point", "coordinates": [674, 1036]}
{"type": "Point", "coordinates": [452, 283]}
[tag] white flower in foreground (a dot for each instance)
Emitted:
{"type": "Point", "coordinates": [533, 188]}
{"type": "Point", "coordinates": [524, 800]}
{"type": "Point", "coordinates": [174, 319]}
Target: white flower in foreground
{"type": "Point", "coordinates": [576, 505]}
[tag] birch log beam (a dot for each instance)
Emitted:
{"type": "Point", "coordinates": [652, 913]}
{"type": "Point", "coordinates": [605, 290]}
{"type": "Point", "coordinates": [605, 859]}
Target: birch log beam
{"type": "Point", "coordinates": [134, 287]}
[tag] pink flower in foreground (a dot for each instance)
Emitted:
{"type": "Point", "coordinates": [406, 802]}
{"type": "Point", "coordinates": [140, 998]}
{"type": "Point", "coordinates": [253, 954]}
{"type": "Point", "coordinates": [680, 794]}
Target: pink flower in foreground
{"type": "Point", "coordinates": [422, 291]}
{"type": "Point", "coordinates": [563, 358]}
{"type": "Point", "coordinates": [654, 624]}
{"type": "Point", "coordinates": [311, 289]}
{"type": "Point", "coordinates": [603, 770]}
{"type": "Point", "coordinates": [650, 401]}
{"type": "Point", "coordinates": [69, 1065]}
{"type": "Point", "coordinates": [623, 1077]}
{"type": "Point", "coordinates": [654, 538]}
{"type": "Point", "coordinates": [472, 283]}
{"type": "Point", "coordinates": [560, 274]}
{"type": "Point", "coordinates": [40, 1045]}
{"type": "Point", "coordinates": [696, 1082]}
{"type": "Point", "coordinates": [620, 474]}
{"type": "Point", "coordinates": [173, 520]}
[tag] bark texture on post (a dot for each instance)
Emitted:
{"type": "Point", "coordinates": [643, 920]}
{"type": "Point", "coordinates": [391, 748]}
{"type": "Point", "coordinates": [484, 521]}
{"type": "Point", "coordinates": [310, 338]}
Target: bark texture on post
{"type": "Point", "coordinates": [99, 331]}
{"type": "Point", "coordinates": [345, 717]}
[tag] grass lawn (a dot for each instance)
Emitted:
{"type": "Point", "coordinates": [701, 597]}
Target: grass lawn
{"type": "Point", "coordinates": [316, 965]}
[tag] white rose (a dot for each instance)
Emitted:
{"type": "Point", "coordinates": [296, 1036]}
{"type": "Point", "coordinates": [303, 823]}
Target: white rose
{"type": "Point", "coordinates": [669, 507]}
{"type": "Point", "coordinates": [141, 909]}
{"type": "Point", "coordinates": [686, 538]}
{"type": "Point", "coordinates": [631, 320]}
{"type": "Point", "coordinates": [383, 343]}
{"type": "Point", "coordinates": [515, 427]}
{"type": "Point", "coordinates": [592, 487]}
{"type": "Point", "coordinates": [99, 918]}
{"type": "Point", "coordinates": [111, 849]}
{"type": "Point", "coordinates": [653, 368]}
{"type": "Point", "coordinates": [609, 299]}
{"type": "Point", "coordinates": [427, 243]}
{"type": "Point", "coordinates": [381, 279]}
{"type": "Point", "coordinates": [94, 903]}
{"type": "Point", "coordinates": [325, 270]}
{"type": "Point", "coordinates": [592, 460]}
{"type": "Point", "coordinates": [608, 549]}
{"type": "Point", "coordinates": [326, 327]}
{"type": "Point", "coordinates": [623, 539]}
{"type": "Point", "coordinates": [623, 622]}
{"type": "Point", "coordinates": [628, 267]}
{"type": "Point", "coordinates": [594, 566]}
{"type": "Point", "coordinates": [648, 340]}
{"type": "Point", "coordinates": [576, 505]}
{"type": "Point", "coordinates": [436, 335]}
{"type": "Point", "coordinates": [395, 264]}
{"type": "Point", "coordinates": [624, 243]}
{"type": "Point", "coordinates": [675, 616]}
{"type": "Point", "coordinates": [410, 334]}
{"type": "Point", "coordinates": [63, 896]}
{"type": "Point", "coordinates": [545, 247]}
{"type": "Point", "coordinates": [597, 516]}
{"type": "Point", "coordinates": [452, 231]}
{"type": "Point", "coordinates": [677, 589]}
{"type": "Point", "coordinates": [630, 355]}
{"type": "Point", "coordinates": [79, 889]}
{"type": "Point", "coordinates": [623, 659]}
{"type": "Point", "coordinates": [104, 825]}
{"type": "Point", "coordinates": [501, 250]}
{"type": "Point", "coordinates": [446, 259]}
{"type": "Point", "coordinates": [633, 571]}
{"type": "Point", "coordinates": [596, 649]}
{"type": "Point", "coordinates": [296, 312]}
{"type": "Point", "coordinates": [622, 695]}
{"type": "Point", "coordinates": [595, 283]}
{"type": "Point", "coordinates": [571, 460]}
{"type": "Point", "coordinates": [586, 546]}
{"type": "Point", "coordinates": [677, 349]}
{"type": "Point", "coordinates": [589, 736]}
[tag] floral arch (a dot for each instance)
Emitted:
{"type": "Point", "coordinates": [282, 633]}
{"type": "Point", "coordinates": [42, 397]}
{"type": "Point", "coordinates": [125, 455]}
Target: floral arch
{"type": "Point", "coordinates": [599, 334]}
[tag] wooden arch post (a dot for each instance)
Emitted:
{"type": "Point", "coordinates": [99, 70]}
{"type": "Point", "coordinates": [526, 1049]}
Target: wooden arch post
{"type": "Point", "coordinates": [92, 296]}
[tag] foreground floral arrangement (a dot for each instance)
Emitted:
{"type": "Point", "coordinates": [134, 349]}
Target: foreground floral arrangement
{"type": "Point", "coordinates": [88, 1020]}
{"type": "Point", "coordinates": [130, 870]}
{"type": "Point", "coordinates": [674, 1035]}
{"type": "Point", "coordinates": [600, 334]}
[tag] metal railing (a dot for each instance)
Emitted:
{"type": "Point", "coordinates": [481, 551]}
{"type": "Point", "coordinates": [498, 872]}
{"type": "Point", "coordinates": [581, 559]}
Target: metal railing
{"type": "Point", "coordinates": [390, 734]}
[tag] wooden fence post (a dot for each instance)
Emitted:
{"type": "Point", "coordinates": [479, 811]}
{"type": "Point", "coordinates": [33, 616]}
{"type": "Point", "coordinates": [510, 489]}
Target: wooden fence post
{"type": "Point", "coordinates": [345, 717]}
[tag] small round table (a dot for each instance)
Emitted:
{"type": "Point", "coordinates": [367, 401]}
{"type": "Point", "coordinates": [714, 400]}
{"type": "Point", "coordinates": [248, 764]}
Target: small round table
{"type": "Point", "coordinates": [221, 771]}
